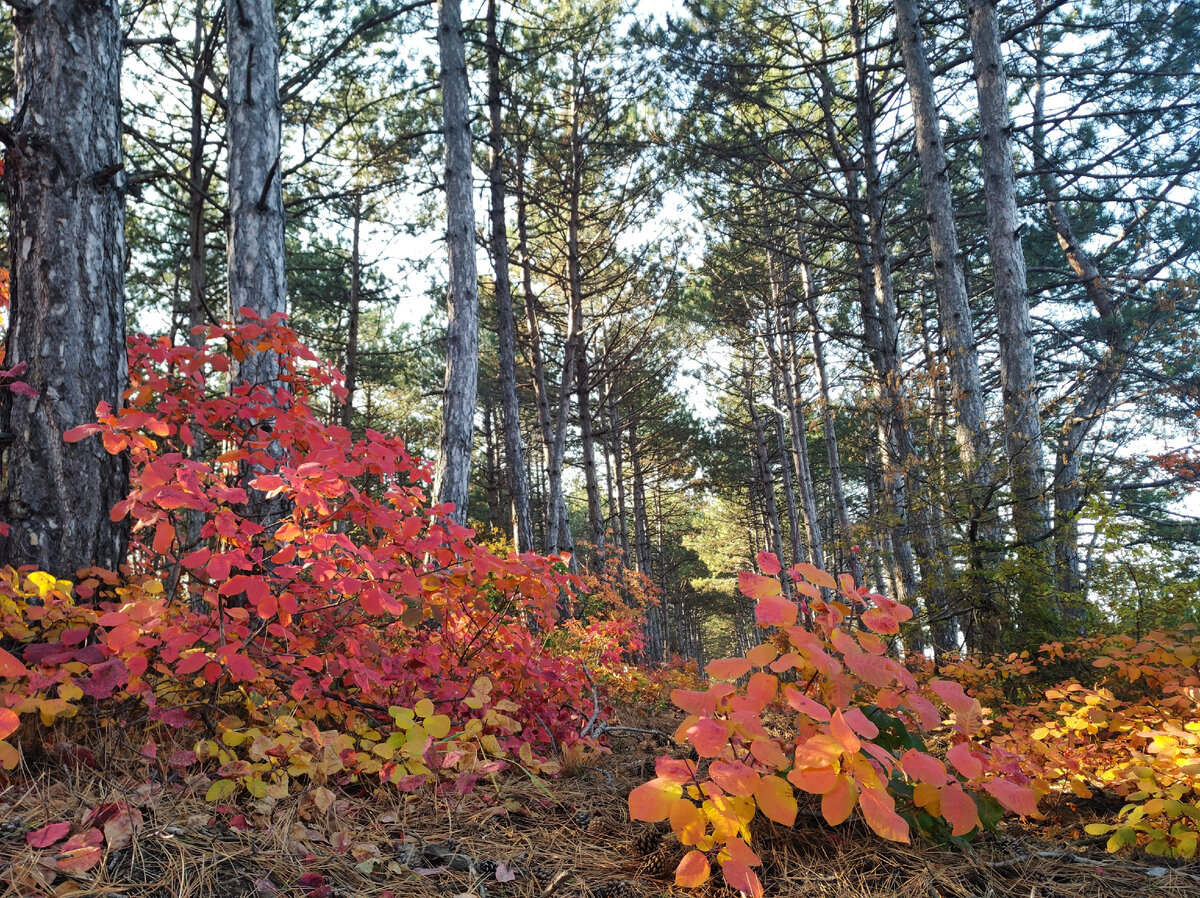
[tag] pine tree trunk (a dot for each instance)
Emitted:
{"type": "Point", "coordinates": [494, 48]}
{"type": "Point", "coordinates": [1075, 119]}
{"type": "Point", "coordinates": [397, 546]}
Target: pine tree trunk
{"type": "Point", "coordinates": [764, 471]}
{"type": "Point", "coordinates": [537, 364]}
{"type": "Point", "coordinates": [1022, 422]}
{"type": "Point", "coordinates": [200, 173]}
{"type": "Point", "coordinates": [64, 180]}
{"type": "Point", "coordinates": [913, 535]}
{"type": "Point", "coordinates": [256, 220]}
{"type": "Point", "coordinates": [615, 431]}
{"type": "Point", "coordinates": [514, 448]}
{"type": "Point", "coordinates": [452, 474]}
{"type": "Point", "coordinates": [353, 314]}
{"type": "Point", "coordinates": [955, 325]}
{"type": "Point", "coordinates": [828, 420]}
{"type": "Point", "coordinates": [641, 528]}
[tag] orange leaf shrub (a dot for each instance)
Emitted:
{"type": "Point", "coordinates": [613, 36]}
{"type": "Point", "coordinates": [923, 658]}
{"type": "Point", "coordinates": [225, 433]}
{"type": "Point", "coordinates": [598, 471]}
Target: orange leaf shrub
{"type": "Point", "coordinates": [1132, 729]}
{"type": "Point", "coordinates": [849, 730]}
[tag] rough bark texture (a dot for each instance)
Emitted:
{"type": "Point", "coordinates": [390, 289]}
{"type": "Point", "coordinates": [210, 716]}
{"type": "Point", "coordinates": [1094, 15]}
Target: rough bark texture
{"type": "Point", "coordinates": [453, 471]}
{"type": "Point", "coordinates": [67, 320]}
{"type": "Point", "coordinates": [641, 527]}
{"type": "Point", "coordinates": [255, 240]}
{"type": "Point", "coordinates": [954, 310]}
{"type": "Point", "coordinates": [514, 447]}
{"type": "Point", "coordinates": [1022, 425]}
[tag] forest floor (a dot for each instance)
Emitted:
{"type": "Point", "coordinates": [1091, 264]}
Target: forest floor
{"type": "Point", "coordinates": [520, 837]}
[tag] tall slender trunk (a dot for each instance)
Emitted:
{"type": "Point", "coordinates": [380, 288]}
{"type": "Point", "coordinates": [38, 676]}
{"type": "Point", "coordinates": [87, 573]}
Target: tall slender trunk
{"type": "Point", "coordinates": [491, 464]}
{"type": "Point", "coordinates": [353, 313]}
{"type": "Point", "coordinates": [764, 470]}
{"type": "Point", "coordinates": [828, 420]}
{"type": "Point", "coordinates": [789, 490]}
{"type": "Point", "coordinates": [790, 361]}
{"type": "Point", "coordinates": [200, 169]}
{"type": "Point", "coordinates": [1022, 422]}
{"type": "Point", "coordinates": [551, 498]}
{"type": "Point", "coordinates": [64, 180]}
{"type": "Point", "coordinates": [256, 217]}
{"type": "Point", "coordinates": [587, 441]}
{"type": "Point", "coordinates": [615, 431]}
{"type": "Point", "coordinates": [956, 327]}
{"type": "Point", "coordinates": [514, 448]}
{"type": "Point", "coordinates": [452, 474]}
{"type": "Point", "coordinates": [641, 528]}
{"type": "Point", "coordinates": [881, 329]}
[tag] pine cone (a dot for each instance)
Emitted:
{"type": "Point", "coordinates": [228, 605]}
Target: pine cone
{"type": "Point", "coordinates": [661, 864]}
{"type": "Point", "coordinates": [598, 826]}
{"type": "Point", "coordinates": [614, 888]}
{"type": "Point", "coordinates": [647, 841]}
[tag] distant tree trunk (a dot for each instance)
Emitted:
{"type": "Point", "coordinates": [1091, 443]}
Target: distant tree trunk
{"type": "Point", "coordinates": [514, 448]}
{"type": "Point", "coordinates": [537, 362]}
{"type": "Point", "coordinates": [1022, 422]}
{"type": "Point", "coordinates": [453, 472]}
{"type": "Point", "coordinates": [764, 470]}
{"type": "Point", "coordinates": [256, 219]}
{"type": "Point", "coordinates": [353, 314]}
{"type": "Point", "coordinates": [64, 181]}
{"type": "Point", "coordinates": [615, 432]}
{"type": "Point", "coordinates": [829, 422]}
{"type": "Point", "coordinates": [955, 324]}
{"type": "Point", "coordinates": [641, 527]}
{"type": "Point", "coordinates": [789, 366]}
{"type": "Point", "coordinates": [588, 444]}
{"type": "Point", "coordinates": [789, 490]}
{"type": "Point", "coordinates": [491, 464]}
{"type": "Point", "coordinates": [200, 170]}
{"type": "Point", "coordinates": [881, 329]}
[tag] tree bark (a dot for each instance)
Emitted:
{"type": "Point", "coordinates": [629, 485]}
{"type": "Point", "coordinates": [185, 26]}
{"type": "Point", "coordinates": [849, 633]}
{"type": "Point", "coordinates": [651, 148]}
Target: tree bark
{"type": "Point", "coordinates": [955, 325]}
{"type": "Point", "coordinates": [774, 531]}
{"type": "Point", "coordinates": [453, 471]}
{"type": "Point", "coordinates": [64, 180]}
{"type": "Point", "coordinates": [353, 314]}
{"type": "Point", "coordinates": [256, 218]}
{"type": "Point", "coordinates": [514, 447]}
{"type": "Point", "coordinates": [1022, 422]}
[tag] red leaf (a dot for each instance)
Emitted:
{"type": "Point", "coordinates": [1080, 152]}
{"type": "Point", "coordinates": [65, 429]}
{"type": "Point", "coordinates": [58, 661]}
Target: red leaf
{"type": "Point", "coordinates": [768, 563]}
{"type": "Point", "coordinates": [48, 835]}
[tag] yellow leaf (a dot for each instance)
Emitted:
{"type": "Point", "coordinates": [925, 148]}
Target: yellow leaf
{"type": "Point", "coordinates": [220, 790]}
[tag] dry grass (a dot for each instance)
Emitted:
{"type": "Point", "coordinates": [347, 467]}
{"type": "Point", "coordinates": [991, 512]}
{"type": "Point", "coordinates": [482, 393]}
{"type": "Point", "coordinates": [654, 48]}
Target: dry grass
{"type": "Point", "coordinates": [570, 838]}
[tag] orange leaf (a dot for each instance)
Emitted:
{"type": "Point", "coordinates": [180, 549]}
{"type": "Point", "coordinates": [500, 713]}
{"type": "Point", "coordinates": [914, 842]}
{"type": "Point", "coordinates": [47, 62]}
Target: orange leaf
{"type": "Point", "coordinates": [687, 821]}
{"type": "Point", "coordinates": [841, 731]}
{"type": "Point", "coordinates": [879, 810]}
{"type": "Point", "coordinates": [775, 612]}
{"type": "Point", "coordinates": [839, 801]}
{"type": "Point", "coordinates": [959, 810]}
{"type": "Point", "coordinates": [768, 563]}
{"type": "Point", "coordinates": [814, 575]}
{"type": "Point", "coordinates": [693, 870]}
{"type": "Point", "coordinates": [742, 878]}
{"type": "Point", "coordinates": [756, 586]}
{"type": "Point", "coordinates": [727, 668]}
{"type": "Point", "coordinates": [776, 799]}
{"type": "Point", "coordinates": [734, 777]}
{"type": "Point", "coordinates": [8, 722]}
{"type": "Point", "coordinates": [762, 655]}
{"type": "Point", "coordinates": [10, 666]}
{"type": "Point", "coordinates": [652, 801]}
